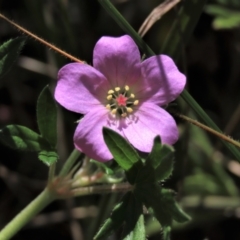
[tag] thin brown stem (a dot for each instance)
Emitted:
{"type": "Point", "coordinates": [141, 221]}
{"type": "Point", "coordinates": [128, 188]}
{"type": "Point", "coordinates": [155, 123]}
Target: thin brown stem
{"type": "Point", "coordinates": [41, 40]}
{"type": "Point", "coordinates": [208, 129]}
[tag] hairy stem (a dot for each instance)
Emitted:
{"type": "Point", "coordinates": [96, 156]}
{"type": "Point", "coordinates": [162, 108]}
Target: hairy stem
{"type": "Point", "coordinates": [208, 129]}
{"type": "Point", "coordinates": [51, 46]}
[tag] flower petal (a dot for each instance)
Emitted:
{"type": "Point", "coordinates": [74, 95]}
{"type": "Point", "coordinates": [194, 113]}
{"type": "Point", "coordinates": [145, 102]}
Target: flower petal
{"type": "Point", "coordinates": [88, 136]}
{"type": "Point", "coordinates": [80, 87]}
{"type": "Point", "coordinates": [118, 59]}
{"type": "Point", "coordinates": [162, 80]}
{"type": "Point", "coordinates": [149, 121]}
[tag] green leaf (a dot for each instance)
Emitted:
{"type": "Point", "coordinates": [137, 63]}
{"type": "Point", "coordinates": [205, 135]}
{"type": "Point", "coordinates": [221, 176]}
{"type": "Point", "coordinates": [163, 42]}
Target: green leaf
{"type": "Point", "coordinates": [134, 223]}
{"type": "Point", "coordinates": [168, 199]}
{"type": "Point", "coordinates": [154, 156]}
{"type": "Point", "coordinates": [161, 203]}
{"type": "Point", "coordinates": [47, 116]}
{"type": "Point", "coordinates": [48, 157]}
{"type": "Point", "coordinates": [161, 158]}
{"type": "Point", "coordinates": [165, 168]}
{"type": "Point", "coordinates": [116, 220]}
{"type": "Point", "coordinates": [124, 154]}
{"type": "Point", "coordinates": [22, 138]}
{"type": "Point", "coordinates": [133, 173]}
{"type": "Point", "coordinates": [9, 52]}
{"type": "Point", "coordinates": [145, 174]}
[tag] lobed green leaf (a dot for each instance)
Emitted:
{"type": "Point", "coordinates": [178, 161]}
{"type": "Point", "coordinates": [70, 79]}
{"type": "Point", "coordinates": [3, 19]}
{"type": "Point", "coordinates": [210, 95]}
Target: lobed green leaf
{"type": "Point", "coordinates": [48, 157]}
{"type": "Point", "coordinates": [161, 203]}
{"type": "Point", "coordinates": [116, 220]}
{"type": "Point", "coordinates": [22, 138]}
{"type": "Point", "coordinates": [134, 228]}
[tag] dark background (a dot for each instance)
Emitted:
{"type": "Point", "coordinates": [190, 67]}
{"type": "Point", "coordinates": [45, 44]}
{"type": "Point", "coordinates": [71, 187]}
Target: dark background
{"type": "Point", "coordinates": [203, 167]}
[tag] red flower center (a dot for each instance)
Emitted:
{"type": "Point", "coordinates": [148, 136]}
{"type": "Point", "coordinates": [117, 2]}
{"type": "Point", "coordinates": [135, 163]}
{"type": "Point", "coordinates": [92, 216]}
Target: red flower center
{"type": "Point", "coordinates": [121, 100]}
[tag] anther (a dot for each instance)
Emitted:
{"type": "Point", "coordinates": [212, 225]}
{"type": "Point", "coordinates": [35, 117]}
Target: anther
{"type": "Point", "coordinates": [114, 111]}
{"type": "Point", "coordinates": [124, 114]}
{"type": "Point", "coordinates": [108, 106]}
{"type": "Point", "coordinates": [109, 97]}
{"type": "Point", "coordinates": [110, 91]}
{"type": "Point", "coordinates": [117, 89]}
{"type": "Point", "coordinates": [129, 110]}
{"type": "Point", "coordinates": [132, 95]}
{"type": "Point", "coordinates": [126, 87]}
{"type": "Point", "coordinates": [135, 102]}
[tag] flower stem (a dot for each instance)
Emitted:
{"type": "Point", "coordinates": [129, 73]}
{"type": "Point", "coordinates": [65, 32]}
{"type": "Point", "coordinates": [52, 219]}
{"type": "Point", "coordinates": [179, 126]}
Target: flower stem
{"type": "Point", "coordinates": [113, 12]}
{"type": "Point", "coordinates": [101, 189]}
{"type": "Point", "coordinates": [51, 173]}
{"type": "Point", "coordinates": [27, 214]}
{"type": "Point", "coordinates": [208, 129]}
{"type": "Point", "coordinates": [69, 163]}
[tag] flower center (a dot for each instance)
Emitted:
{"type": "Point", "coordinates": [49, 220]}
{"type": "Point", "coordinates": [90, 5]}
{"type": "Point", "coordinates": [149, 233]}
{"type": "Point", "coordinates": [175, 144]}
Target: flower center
{"type": "Point", "coordinates": [121, 101]}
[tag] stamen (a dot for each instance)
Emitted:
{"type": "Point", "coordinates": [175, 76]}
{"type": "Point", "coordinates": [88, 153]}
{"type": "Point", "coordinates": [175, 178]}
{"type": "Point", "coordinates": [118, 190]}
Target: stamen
{"type": "Point", "coordinates": [110, 91]}
{"type": "Point", "coordinates": [108, 106]}
{"type": "Point", "coordinates": [129, 110]}
{"type": "Point", "coordinates": [132, 95]}
{"type": "Point", "coordinates": [109, 97]}
{"type": "Point", "coordinates": [135, 102]}
{"type": "Point", "coordinates": [114, 111]}
{"type": "Point", "coordinates": [117, 89]}
{"type": "Point", "coordinates": [126, 87]}
{"type": "Point", "coordinates": [124, 114]}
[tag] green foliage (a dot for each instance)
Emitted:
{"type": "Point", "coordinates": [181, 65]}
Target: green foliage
{"type": "Point", "coordinates": [134, 221]}
{"type": "Point", "coordinates": [124, 154]}
{"type": "Point", "coordinates": [225, 18]}
{"type": "Point", "coordinates": [161, 158]}
{"type": "Point", "coordinates": [115, 220]}
{"type": "Point", "coordinates": [9, 52]}
{"type": "Point", "coordinates": [47, 116]}
{"type": "Point", "coordinates": [144, 175]}
{"type": "Point", "coordinates": [22, 138]}
{"type": "Point", "coordinates": [48, 157]}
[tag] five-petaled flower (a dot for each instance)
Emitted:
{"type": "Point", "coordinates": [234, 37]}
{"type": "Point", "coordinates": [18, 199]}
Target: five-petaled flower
{"type": "Point", "coordinates": [123, 93]}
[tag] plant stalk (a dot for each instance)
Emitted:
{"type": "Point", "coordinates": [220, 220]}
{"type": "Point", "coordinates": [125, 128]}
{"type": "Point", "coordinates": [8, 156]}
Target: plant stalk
{"type": "Point", "coordinates": [27, 214]}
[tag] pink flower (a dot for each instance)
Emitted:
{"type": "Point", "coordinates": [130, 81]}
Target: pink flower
{"type": "Point", "coordinates": [123, 93]}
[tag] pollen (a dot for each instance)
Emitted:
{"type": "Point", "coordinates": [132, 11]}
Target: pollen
{"type": "Point", "coordinates": [114, 111]}
{"type": "Point", "coordinates": [109, 97]}
{"type": "Point", "coordinates": [135, 102]}
{"type": "Point", "coordinates": [124, 115]}
{"type": "Point", "coordinates": [117, 89]}
{"type": "Point", "coordinates": [129, 110]}
{"type": "Point", "coordinates": [110, 91]}
{"type": "Point", "coordinates": [132, 95]}
{"type": "Point", "coordinates": [108, 106]}
{"type": "Point", "coordinates": [127, 88]}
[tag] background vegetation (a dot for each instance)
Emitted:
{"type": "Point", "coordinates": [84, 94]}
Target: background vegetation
{"type": "Point", "coordinates": [206, 175]}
